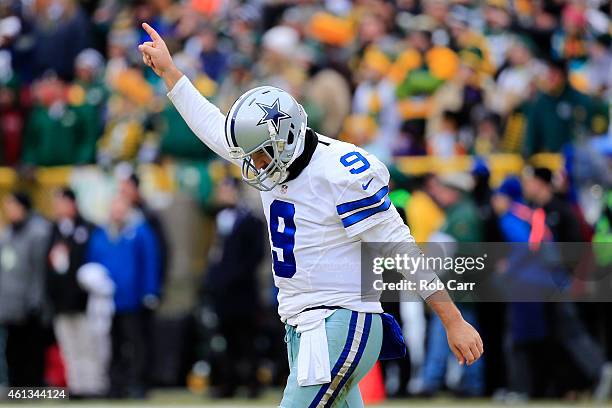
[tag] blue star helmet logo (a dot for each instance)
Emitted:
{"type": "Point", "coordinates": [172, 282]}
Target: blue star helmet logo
{"type": "Point", "coordinates": [272, 114]}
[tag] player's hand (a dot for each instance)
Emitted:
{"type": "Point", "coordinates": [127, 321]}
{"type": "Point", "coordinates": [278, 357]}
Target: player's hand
{"type": "Point", "coordinates": [155, 54]}
{"type": "Point", "coordinates": [464, 341]}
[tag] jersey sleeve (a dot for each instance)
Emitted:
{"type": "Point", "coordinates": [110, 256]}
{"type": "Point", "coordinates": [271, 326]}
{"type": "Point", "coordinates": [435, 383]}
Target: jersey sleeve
{"type": "Point", "coordinates": [397, 240]}
{"type": "Point", "coordinates": [360, 187]}
{"type": "Point", "coordinates": [202, 117]}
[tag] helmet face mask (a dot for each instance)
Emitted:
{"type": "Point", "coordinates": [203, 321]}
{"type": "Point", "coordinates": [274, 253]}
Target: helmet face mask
{"type": "Point", "coordinates": [270, 121]}
{"type": "Point", "coordinates": [265, 179]}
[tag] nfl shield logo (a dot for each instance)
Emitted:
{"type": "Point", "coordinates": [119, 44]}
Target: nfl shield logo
{"type": "Point", "coordinates": [284, 189]}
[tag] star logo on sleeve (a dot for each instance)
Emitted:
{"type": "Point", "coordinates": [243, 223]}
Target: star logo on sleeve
{"type": "Point", "coordinates": [272, 114]}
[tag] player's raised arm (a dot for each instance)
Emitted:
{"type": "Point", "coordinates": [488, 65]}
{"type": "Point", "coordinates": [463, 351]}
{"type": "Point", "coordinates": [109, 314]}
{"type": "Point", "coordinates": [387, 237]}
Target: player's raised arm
{"type": "Point", "coordinates": [204, 118]}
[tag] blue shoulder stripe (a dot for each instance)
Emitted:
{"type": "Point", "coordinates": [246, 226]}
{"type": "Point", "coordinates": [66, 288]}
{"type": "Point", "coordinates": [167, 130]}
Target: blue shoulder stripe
{"type": "Point", "coordinates": [364, 202]}
{"type": "Point", "coordinates": [362, 215]}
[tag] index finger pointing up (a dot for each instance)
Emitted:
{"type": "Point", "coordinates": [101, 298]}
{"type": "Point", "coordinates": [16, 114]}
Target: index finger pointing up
{"type": "Point", "coordinates": [152, 33]}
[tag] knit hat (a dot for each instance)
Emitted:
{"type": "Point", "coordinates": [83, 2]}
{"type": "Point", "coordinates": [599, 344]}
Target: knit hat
{"type": "Point", "coordinates": [458, 181]}
{"type": "Point", "coordinates": [23, 199]}
{"type": "Point", "coordinates": [480, 168]}
{"type": "Point", "coordinates": [281, 39]}
{"type": "Point", "coordinates": [89, 58]}
{"type": "Point", "coordinates": [376, 60]}
{"type": "Point", "coordinates": [511, 187]}
{"type": "Point", "coordinates": [331, 30]}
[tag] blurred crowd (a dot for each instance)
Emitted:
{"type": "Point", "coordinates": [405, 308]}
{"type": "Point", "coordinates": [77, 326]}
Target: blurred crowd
{"type": "Point", "coordinates": [523, 334]}
{"type": "Point", "coordinates": [90, 289]}
{"type": "Point", "coordinates": [441, 78]}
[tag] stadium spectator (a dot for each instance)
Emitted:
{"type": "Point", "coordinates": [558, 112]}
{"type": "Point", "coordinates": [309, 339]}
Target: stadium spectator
{"type": "Point", "coordinates": [66, 254]}
{"type": "Point", "coordinates": [129, 189]}
{"type": "Point", "coordinates": [481, 194]}
{"type": "Point", "coordinates": [424, 217]}
{"type": "Point", "coordinates": [598, 72]}
{"type": "Point", "coordinates": [214, 60]}
{"type": "Point", "coordinates": [487, 135]}
{"type": "Point", "coordinates": [488, 314]}
{"type": "Point", "coordinates": [88, 92]}
{"type": "Point", "coordinates": [418, 72]}
{"type": "Point", "coordinates": [231, 285]}
{"type": "Point", "coordinates": [445, 142]}
{"type": "Point", "coordinates": [22, 274]}
{"type": "Point", "coordinates": [462, 225]}
{"type": "Point", "coordinates": [497, 21]}
{"type": "Point", "coordinates": [12, 117]}
{"type": "Point", "coordinates": [539, 189]}
{"type": "Point", "coordinates": [56, 132]}
{"type": "Point", "coordinates": [468, 95]}
{"type": "Point", "coordinates": [559, 113]}
{"type": "Point", "coordinates": [236, 82]}
{"type": "Point", "coordinates": [515, 80]}
{"type": "Point", "coordinates": [127, 247]}
{"type": "Point", "coordinates": [569, 40]}
{"type": "Point", "coordinates": [126, 130]}
{"type": "Point", "coordinates": [525, 346]}
{"type": "Point", "coordinates": [566, 326]}
{"type": "Point", "coordinates": [53, 23]}
{"type": "Point", "coordinates": [375, 99]}
{"type": "Point", "coordinates": [423, 213]}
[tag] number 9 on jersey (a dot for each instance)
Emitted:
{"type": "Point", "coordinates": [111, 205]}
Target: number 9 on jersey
{"type": "Point", "coordinates": [282, 235]}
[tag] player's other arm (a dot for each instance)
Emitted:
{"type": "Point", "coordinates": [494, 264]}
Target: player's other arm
{"type": "Point", "coordinates": [463, 339]}
{"type": "Point", "coordinates": [204, 118]}
{"type": "Point", "coordinates": [360, 189]}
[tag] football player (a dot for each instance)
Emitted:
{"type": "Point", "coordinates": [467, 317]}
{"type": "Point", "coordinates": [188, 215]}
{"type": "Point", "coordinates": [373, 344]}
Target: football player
{"type": "Point", "coordinates": [321, 199]}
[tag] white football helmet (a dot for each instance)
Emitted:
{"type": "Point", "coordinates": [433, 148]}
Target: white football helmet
{"type": "Point", "coordinates": [270, 120]}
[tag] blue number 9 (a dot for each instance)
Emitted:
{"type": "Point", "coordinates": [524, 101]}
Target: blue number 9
{"type": "Point", "coordinates": [282, 234]}
{"type": "Point", "coordinates": [352, 158]}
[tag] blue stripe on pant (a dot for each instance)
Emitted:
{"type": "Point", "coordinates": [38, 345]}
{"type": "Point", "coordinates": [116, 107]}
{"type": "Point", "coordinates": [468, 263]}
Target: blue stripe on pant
{"type": "Point", "coordinates": [354, 341]}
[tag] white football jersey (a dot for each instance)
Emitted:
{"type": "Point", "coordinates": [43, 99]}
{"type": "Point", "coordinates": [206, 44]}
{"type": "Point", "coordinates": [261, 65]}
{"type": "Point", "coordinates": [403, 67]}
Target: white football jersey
{"type": "Point", "coordinates": [314, 221]}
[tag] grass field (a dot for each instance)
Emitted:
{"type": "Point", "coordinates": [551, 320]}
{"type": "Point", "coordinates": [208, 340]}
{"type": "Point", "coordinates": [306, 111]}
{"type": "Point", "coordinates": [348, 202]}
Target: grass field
{"type": "Point", "coordinates": [183, 398]}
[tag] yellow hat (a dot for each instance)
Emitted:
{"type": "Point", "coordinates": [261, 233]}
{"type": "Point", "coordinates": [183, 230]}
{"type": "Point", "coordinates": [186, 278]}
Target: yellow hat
{"type": "Point", "coordinates": [377, 60]}
{"type": "Point", "coordinates": [330, 29]}
{"type": "Point", "coordinates": [498, 3]}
